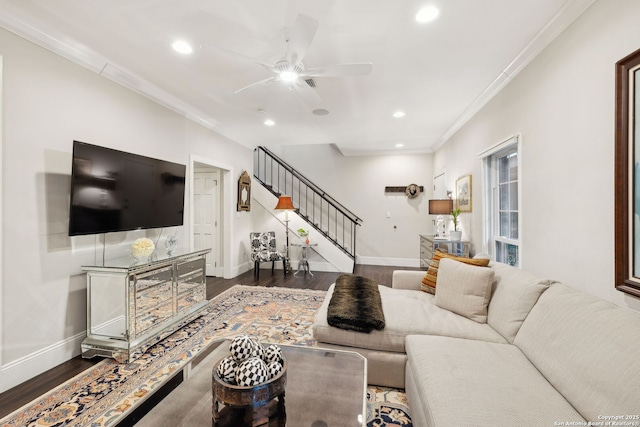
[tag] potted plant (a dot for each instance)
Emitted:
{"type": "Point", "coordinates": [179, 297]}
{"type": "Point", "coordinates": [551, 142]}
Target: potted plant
{"type": "Point", "coordinates": [455, 234]}
{"type": "Point", "coordinates": [304, 233]}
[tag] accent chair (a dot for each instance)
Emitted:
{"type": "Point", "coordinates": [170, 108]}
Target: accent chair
{"type": "Point", "coordinates": [263, 249]}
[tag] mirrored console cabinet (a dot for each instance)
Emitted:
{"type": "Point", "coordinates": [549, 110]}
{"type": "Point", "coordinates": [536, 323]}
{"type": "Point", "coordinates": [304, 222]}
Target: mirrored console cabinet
{"type": "Point", "coordinates": [132, 305]}
{"type": "Point", "coordinates": [429, 244]}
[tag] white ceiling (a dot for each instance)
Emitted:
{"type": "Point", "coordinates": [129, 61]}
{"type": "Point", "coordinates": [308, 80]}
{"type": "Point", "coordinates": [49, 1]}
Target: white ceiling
{"type": "Point", "coordinates": [439, 73]}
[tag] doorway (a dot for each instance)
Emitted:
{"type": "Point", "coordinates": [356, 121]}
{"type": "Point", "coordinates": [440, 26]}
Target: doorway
{"type": "Point", "coordinates": [206, 214]}
{"type": "Point", "coordinates": [440, 186]}
{"type": "Point", "coordinates": [211, 217]}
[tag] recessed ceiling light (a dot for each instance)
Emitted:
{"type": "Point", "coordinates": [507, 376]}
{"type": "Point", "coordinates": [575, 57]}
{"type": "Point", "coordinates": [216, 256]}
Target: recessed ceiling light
{"type": "Point", "coordinates": [320, 112]}
{"type": "Point", "coordinates": [399, 114]}
{"type": "Point", "coordinates": [182, 47]}
{"type": "Point", "coordinates": [399, 145]}
{"type": "Point", "coordinates": [269, 122]}
{"type": "Point", "coordinates": [427, 14]}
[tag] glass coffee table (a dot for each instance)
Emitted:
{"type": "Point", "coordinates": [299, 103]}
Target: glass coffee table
{"type": "Point", "coordinates": [324, 388]}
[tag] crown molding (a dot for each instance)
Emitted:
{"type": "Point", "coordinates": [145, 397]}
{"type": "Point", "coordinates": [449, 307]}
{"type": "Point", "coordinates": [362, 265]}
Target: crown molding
{"type": "Point", "coordinates": [101, 66]}
{"type": "Point", "coordinates": [560, 22]}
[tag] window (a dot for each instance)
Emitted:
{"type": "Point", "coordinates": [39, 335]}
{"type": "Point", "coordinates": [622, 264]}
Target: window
{"type": "Point", "coordinates": [502, 210]}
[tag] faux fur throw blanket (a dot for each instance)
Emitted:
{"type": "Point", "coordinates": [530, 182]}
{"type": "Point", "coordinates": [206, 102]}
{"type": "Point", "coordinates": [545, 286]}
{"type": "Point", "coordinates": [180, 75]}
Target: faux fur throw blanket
{"type": "Point", "coordinates": [356, 304]}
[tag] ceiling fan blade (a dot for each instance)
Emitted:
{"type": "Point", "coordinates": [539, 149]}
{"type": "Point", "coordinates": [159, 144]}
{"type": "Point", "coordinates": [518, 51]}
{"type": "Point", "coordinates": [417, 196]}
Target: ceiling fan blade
{"type": "Point", "coordinates": [240, 56]}
{"type": "Point", "coordinates": [339, 70]}
{"type": "Point", "coordinates": [299, 38]}
{"type": "Point", "coordinates": [258, 83]}
{"type": "Point", "coordinates": [310, 96]}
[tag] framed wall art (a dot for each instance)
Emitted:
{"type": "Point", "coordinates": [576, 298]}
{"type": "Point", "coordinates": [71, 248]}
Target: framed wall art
{"type": "Point", "coordinates": [463, 193]}
{"type": "Point", "coordinates": [627, 175]}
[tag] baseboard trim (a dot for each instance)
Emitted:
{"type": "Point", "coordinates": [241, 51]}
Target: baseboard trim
{"type": "Point", "coordinates": [313, 266]}
{"type": "Point", "coordinates": [328, 267]}
{"type": "Point", "coordinates": [316, 266]}
{"type": "Point", "coordinates": [391, 262]}
{"type": "Point", "coordinates": [239, 269]}
{"type": "Point", "coordinates": [27, 367]}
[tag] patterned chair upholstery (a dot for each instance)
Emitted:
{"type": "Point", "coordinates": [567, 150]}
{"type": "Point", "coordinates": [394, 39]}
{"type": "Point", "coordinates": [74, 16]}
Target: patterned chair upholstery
{"type": "Point", "coordinates": [263, 249]}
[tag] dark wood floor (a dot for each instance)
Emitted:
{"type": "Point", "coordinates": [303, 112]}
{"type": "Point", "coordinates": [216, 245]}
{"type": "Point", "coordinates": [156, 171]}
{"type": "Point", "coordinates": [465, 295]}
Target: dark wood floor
{"type": "Point", "coordinates": [24, 393]}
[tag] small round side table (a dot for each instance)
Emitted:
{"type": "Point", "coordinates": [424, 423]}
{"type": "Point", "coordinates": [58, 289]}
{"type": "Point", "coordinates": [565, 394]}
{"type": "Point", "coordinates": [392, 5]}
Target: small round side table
{"type": "Point", "coordinates": [303, 262]}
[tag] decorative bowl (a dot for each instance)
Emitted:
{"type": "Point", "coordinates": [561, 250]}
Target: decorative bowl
{"type": "Point", "coordinates": [142, 248]}
{"type": "Point", "coordinates": [258, 395]}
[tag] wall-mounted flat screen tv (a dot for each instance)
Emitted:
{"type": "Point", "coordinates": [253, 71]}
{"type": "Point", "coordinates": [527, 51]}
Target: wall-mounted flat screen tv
{"type": "Point", "coordinates": [113, 190]}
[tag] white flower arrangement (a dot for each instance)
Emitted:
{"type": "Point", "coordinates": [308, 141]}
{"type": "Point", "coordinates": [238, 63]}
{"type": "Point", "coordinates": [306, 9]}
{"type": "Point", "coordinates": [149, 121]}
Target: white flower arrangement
{"type": "Point", "coordinates": [142, 247]}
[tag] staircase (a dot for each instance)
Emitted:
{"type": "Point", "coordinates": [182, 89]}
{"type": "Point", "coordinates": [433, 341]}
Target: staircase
{"type": "Point", "coordinates": [330, 219]}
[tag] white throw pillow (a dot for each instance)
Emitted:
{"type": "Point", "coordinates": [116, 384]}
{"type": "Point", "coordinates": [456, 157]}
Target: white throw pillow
{"type": "Point", "coordinates": [464, 289]}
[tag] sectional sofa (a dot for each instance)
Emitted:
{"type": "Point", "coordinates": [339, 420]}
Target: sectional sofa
{"type": "Point", "coordinates": [509, 349]}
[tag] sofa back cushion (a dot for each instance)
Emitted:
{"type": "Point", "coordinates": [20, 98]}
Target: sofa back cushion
{"type": "Point", "coordinates": [515, 292]}
{"type": "Point", "coordinates": [464, 289]}
{"type": "Point", "coordinates": [587, 348]}
{"type": "Point", "coordinates": [430, 279]}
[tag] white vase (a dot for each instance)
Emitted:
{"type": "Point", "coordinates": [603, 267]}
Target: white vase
{"type": "Point", "coordinates": [456, 236]}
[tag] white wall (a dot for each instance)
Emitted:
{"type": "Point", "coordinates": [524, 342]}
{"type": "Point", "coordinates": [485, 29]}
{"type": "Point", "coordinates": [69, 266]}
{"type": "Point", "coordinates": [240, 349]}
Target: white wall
{"type": "Point", "coordinates": [47, 103]}
{"type": "Point", "coordinates": [563, 103]}
{"type": "Point", "coordinates": [358, 183]}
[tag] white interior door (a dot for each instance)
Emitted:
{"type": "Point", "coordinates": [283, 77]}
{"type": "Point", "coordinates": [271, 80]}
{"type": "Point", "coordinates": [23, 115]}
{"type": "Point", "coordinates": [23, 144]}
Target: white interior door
{"type": "Point", "coordinates": [439, 186]}
{"type": "Point", "coordinates": [206, 210]}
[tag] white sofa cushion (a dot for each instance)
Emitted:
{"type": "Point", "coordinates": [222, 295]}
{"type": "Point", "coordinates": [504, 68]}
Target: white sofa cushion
{"type": "Point", "coordinates": [514, 293]}
{"type": "Point", "coordinates": [464, 289]}
{"type": "Point", "coordinates": [406, 312]}
{"type": "Point", "coordinates": [457, 382]}
{"type": "Point", "coordinates": [588, 348]}
{"type": "Point", "coordinates": [430, 279]}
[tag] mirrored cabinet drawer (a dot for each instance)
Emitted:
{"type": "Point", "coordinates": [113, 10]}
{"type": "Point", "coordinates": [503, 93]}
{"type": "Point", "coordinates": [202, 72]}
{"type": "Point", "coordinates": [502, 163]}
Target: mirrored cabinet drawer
{"type": "Point", "coordinates": [190, 298]}
{"type": "Point", "coordinates": [153, 278]}
{"type": "Point", "coordinates": [429, 244]}
{"type": "Point", "coordinates": [152, 296]}
{"type": "Point", "coordinates": [150, 318]}
{"type": "Point", "coordinates": [190, 266]}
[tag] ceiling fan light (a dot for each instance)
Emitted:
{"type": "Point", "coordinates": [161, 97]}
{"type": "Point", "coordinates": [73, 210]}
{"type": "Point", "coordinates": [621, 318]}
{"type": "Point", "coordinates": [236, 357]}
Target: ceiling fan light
{"type": "Point", "coordinates": [182, 47]}
{"type": "Point", "coordinates": [427, 14]}
{"type": "Point", "coordinates": [288, 76]}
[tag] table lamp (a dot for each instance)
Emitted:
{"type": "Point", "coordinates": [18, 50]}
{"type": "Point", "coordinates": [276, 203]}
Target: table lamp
{"type": "Point", "coordinates": [440, 207]}
{"type": "Point", "coordinates": [286, 204]}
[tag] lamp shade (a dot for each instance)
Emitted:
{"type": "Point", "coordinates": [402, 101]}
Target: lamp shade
{"type": "Point", "coordinates": [440, 206]}
{"type": "Point", "coordinates": [285, 204]}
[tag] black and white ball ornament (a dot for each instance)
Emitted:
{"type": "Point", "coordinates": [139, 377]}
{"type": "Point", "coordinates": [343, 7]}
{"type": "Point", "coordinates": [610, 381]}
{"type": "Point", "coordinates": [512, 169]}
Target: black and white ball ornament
{"type": "Point", "coordinates": [251, 372]}
{"type": "Point", "coordinates": [242, 347]}
{"type": "Point", "coordinates": [258, 350]}
{"type": "Point", "coordinates": [273, 369]}
{"type": "Point", "coordinates": [272, 353]}
{"type": "Point", "coordinates": [227, 370]}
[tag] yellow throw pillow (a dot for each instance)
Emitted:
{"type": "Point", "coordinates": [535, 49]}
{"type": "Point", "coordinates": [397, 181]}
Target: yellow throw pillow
{"type": "Point", "coordinates": [429, 279]}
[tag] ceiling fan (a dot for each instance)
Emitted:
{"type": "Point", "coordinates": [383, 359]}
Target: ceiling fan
{"type": "Point", "coordinates": [291, 71]}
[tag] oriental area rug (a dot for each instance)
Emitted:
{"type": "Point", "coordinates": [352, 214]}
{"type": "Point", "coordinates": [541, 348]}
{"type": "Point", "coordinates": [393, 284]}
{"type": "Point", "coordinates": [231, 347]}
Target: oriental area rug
{"type": "Point", "coordinates": [108, 392]}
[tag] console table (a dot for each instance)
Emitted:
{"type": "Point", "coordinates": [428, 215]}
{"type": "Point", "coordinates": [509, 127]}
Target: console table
{"type": "Point", "coordinates": [429, 244]}
{"type": "Point", "coordinates": [132, 305]}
